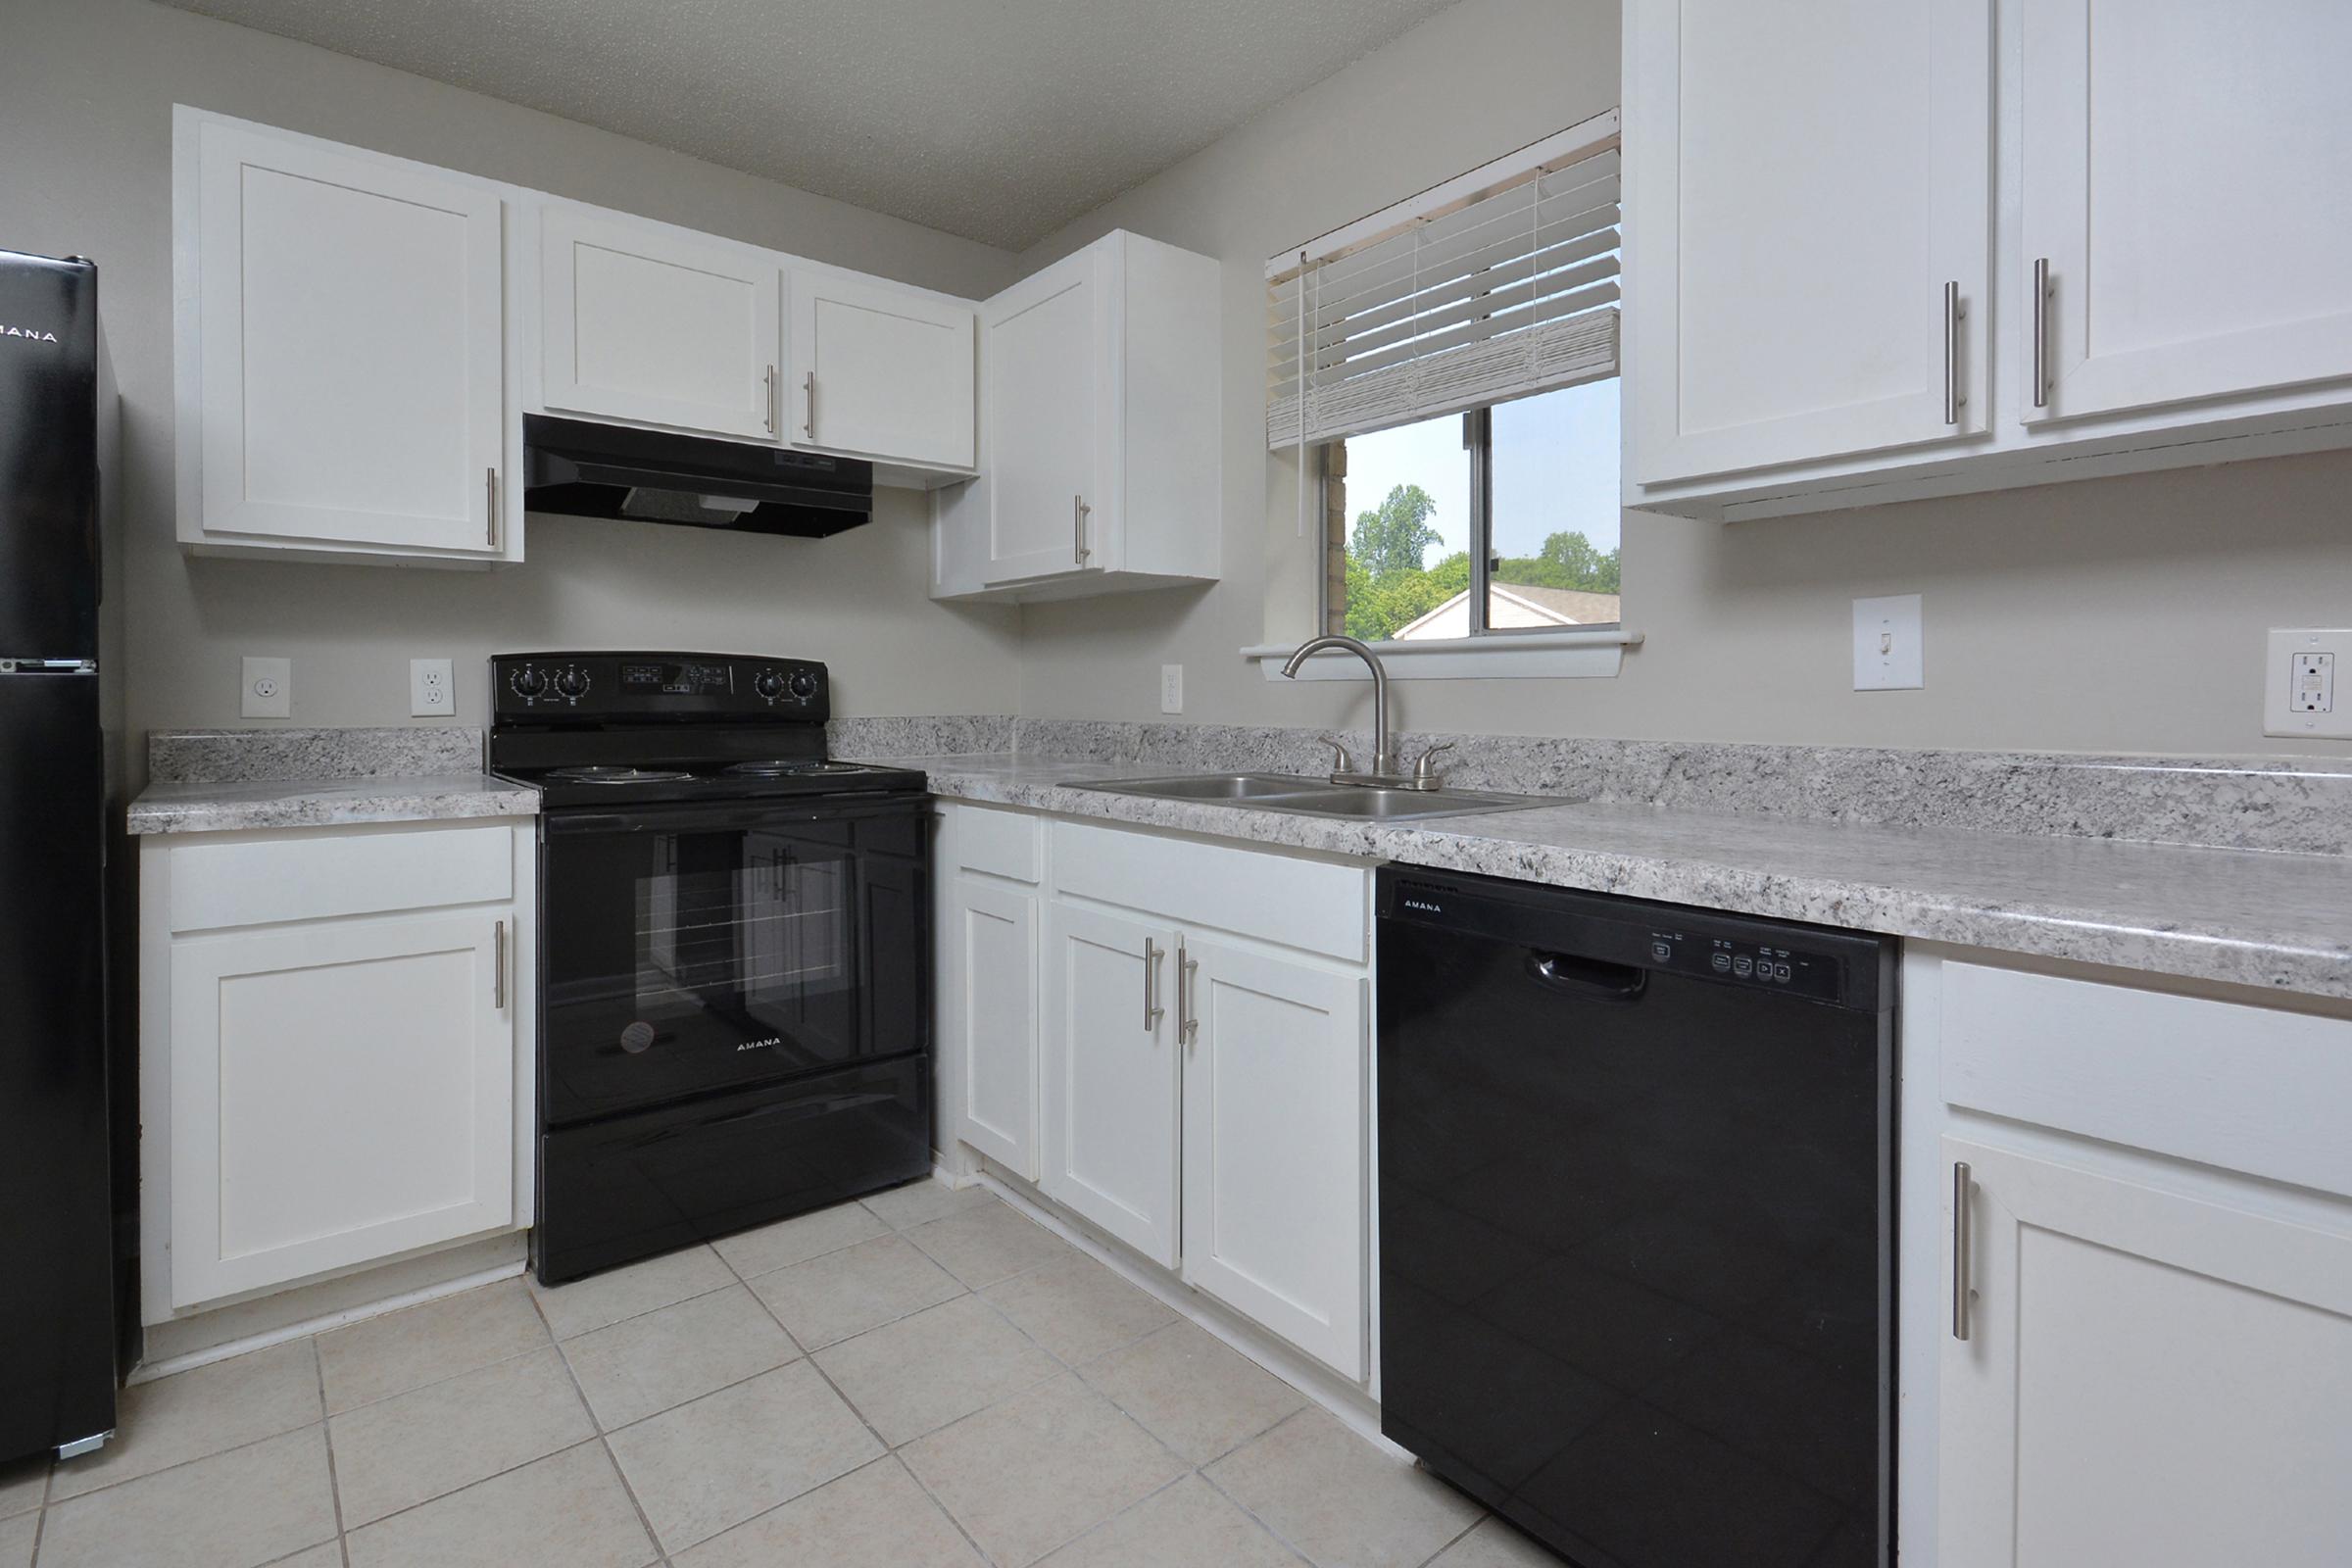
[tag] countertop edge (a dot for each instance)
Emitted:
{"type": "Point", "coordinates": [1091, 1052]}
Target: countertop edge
{"type": "Point", "coordinates": [249, 807]}
{"type": "Point", "coordinates": [2083, 935]}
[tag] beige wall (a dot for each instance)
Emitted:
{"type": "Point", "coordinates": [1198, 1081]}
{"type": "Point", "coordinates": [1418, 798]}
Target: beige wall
{"type": "Point", "coordinates": [2111, 615]}
{"type": "Point", "coordinates": [86, 88]}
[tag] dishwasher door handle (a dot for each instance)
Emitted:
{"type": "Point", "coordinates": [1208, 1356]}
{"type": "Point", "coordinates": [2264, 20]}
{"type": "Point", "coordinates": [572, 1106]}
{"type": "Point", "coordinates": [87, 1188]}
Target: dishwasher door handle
{"type": "Point", "coordinates": [1596, 979]}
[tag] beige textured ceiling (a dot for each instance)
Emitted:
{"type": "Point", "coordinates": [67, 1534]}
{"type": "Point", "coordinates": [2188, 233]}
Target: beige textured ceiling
{"type": "Point", "coordinates": [998, 120]}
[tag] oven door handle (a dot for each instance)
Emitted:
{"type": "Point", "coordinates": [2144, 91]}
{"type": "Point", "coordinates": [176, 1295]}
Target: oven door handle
{"type": "Point", "coordinates": [720, 815]}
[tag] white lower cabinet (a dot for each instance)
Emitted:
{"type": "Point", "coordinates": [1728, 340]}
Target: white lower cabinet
{"type": "Point", "coordinates": [330, 1071]}
{"type": "Point", "coordinates": [992, 932]}
{"type": "Point", "coordinates": [1275, 1112]}
{"type": "Point", "coordinates": [1191, 1038]}
{"type": "Point", "coordinates": [1111, 1076]}
{"type": "Point", "coordinates": [2148, 1376]}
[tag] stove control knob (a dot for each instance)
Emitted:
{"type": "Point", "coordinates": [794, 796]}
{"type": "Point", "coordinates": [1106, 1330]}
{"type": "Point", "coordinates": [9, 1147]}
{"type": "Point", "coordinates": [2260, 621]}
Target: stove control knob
{"type": "Point", "coordinates": [803, 685]}
{"type": "Point", "coordinates": [571, 682]}
{"type": "Point", "coordinates": [768, 684]}
{"type": "Point", "coordinates": [529, 682]}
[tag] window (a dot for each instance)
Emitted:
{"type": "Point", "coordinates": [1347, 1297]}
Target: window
{"type": "Point", "coordinates": [1448, 367]}
{"type": "Point", "coordinates": [1528, 487]}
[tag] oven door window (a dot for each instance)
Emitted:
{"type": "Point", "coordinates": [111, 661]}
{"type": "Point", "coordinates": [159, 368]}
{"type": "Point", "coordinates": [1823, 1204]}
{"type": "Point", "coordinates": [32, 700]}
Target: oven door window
{"type": "Point", "coordinates": [683, 961]}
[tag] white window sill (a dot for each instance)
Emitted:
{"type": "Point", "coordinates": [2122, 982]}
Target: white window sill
{"type": "Point", "coordinates": [1511, 656]}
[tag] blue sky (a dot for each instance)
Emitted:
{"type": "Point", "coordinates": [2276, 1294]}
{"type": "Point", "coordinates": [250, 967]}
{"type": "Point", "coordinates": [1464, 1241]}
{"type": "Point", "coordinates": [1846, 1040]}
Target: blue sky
{"type": "Point", "coordinates": [1556, 468]}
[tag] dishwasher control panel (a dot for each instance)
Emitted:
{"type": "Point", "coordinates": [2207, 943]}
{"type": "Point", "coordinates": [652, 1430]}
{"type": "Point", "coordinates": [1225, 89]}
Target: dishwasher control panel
{"type": "Point", "coordinates": [1815, 975]}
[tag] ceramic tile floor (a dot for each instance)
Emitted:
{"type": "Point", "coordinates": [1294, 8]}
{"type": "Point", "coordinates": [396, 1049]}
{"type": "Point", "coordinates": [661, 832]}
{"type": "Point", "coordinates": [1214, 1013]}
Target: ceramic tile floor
{"type": "Point", "coordinates": [924, 1380]}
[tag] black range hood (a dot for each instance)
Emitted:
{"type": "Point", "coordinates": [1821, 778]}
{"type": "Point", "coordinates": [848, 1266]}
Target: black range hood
{"type": "Point", "coordinates": [576, 468]}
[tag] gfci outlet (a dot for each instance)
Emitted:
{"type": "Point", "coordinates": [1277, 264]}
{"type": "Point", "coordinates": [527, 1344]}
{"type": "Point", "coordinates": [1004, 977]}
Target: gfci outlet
{"type": "Point", "coordinates": [430, 694]}
{"type": "Point", "coordinates": [267, 689]}
{"type": "Point", "coordinates": [2300, 694]}
{"type": "Point", "coordinates": [1171, 688]}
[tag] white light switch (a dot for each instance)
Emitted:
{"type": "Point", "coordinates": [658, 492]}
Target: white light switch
{"type": "Point", "coordinates": [2299, 684]}
{"type": "Point", "coordinates": [1171, 688]}
{"type": "Point", "coordinates": [1888, 655]}
{"type": "Point", "coordinates": [431, 692]}
{"type": "Point", "coordinates": [269, 689]}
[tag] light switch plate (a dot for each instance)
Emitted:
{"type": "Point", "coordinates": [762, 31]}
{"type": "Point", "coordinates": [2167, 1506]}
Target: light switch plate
{"type": "Point", "coordinates": [267, 690]}
{"type": "Point", "coordinates": [1171, 688]}
{"type": "Point", "coordinates": [2303, 691]}
{"type": "Point", "coordinates": [431, 695]}
{"type": "Point", "coordinates": [1889, 654]}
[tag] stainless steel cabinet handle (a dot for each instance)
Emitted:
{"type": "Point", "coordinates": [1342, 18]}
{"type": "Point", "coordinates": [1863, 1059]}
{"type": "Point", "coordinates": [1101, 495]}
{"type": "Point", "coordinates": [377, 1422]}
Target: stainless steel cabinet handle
{"type": "Point", "coordinates": [771, 399]}
{"type": "Point", "coordinates": [1960, 1259]}
{"type": "Point", "coordinates": [2041, 332]}
{"type": "Point", "coordinates": [498, 967]}
{"type": "Point", "coordinates": [1153, 1010]}
{"type": "Point", "coordinates": [1078, 511]}
{"type": "Point", "coordinates": [490, 488]}
{"type": "Point", "coordinates": [1953, 312]}
{"type": "Point", "coordinates": [809, 390]}
{"type": "Point", "coordinates": [1188, 1025]}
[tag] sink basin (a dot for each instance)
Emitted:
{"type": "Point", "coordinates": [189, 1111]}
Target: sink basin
{"type": "Point", "coordinates": [1315, 797]}
{"type": "Point", "coordinates": [1390, 806]}
{"type": "Point", "coordinates": [1214, 786]}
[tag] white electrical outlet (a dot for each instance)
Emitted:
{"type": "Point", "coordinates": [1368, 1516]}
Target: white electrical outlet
{"type": "Point", "coordinates": [2299, 694]}
{"type": "Point", "coordinates": [431, 692]}
{"type": "Point", "coordinates": [1171, 688]}
{"type": "Point", "coordinates": [268, 691]}
{"type": "Point", "coordinates": [1889, 654]}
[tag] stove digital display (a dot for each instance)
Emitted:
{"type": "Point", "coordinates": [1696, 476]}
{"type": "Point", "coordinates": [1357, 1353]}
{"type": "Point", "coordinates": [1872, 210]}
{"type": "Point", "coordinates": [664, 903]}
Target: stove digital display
{"type": "Point", "coordinates": [679, 680]}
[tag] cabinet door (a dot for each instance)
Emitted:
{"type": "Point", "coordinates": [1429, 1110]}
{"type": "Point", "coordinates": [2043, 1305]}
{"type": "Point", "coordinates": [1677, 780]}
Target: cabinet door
{"type": "Point", "coordinates": [883, 372]}
{"type": "Point", "coordinates": [350, 336]}
{"type": "Point", "coordinates": [1274, 1169]}
{"type": "Point", "coordinates": [340, 1093]}
{"type": "Point", "coordinates": [2212, 145]}
{"type": "Point", "coordinates": [640, 323]}
{"type": "Point", "coordinates": [1048, 421]}
{"type": "Point", "coordinates": [1110, 1076]}
{"type": "Point", "coordinates": [2148, 1377]}
{"type": "Point", "coordinates": [993, 933]}
{"type": "Point", "coordinates": [1806, 182]}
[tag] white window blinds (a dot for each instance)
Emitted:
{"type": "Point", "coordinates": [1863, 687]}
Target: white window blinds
{"type": "Point", "coordinates": [1493, 286]}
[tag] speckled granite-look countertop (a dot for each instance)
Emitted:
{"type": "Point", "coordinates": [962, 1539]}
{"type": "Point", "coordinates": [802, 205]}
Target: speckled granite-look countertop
{"type": "Point", "coordinates": [220, 781]}
{"type": "Point", "coordinates": [2277, 921]}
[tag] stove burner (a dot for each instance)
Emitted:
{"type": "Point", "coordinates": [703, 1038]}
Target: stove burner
{"type": "Point", "coordinates": [784, 767]}
{"type": "Point", "coordinates": [619, 775]}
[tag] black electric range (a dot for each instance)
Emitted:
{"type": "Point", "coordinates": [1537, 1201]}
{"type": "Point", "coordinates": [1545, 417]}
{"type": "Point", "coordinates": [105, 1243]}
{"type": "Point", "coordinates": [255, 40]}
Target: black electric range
{"type": "Point", "coordinates": [734, 950]}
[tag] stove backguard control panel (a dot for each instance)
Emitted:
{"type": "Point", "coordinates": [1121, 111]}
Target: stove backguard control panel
{"type": "Point", "coordinates": [561, 688]}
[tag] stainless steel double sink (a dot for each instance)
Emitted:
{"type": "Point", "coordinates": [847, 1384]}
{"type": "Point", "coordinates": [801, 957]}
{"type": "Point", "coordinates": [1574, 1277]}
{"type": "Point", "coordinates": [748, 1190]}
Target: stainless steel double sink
{"type": "Point", "coordinates": [1314, 797]}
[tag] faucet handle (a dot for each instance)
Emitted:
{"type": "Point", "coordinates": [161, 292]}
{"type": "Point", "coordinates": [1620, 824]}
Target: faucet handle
{"type": "Point", "coordinates": [1424, 776]}
{"type": "Point", "coordinates": [1341, 761]}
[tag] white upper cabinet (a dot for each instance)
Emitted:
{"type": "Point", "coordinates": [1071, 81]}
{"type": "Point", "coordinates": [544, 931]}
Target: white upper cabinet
{"type": "Point", "coordinates": [1930, 247]}
{"type": "Point", "coordinates": [341, 335]}
{"type": "Point", "coordinates": [2214, 144]}
{"type": "Point", "coordinates": [641, 323]}
{"type": "Point", "coordinates": [1100, 398]}
{"type": "Point", "coordinates": [1809, 226]}
{"type": "Point", "coordinates": [1049, 420]}
{"type": "Point", "coordinates": [881, 372]}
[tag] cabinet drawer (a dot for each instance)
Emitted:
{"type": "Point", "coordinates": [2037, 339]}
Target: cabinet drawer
{"type": "Point", "coordinates": [1004, 844]}
{"type": "Point", "coordinates": [2241, 1087]}
{"type": "Point", "coordinates": [318, 876]}
{"type": "Point", "coordinates": [1314, 905]}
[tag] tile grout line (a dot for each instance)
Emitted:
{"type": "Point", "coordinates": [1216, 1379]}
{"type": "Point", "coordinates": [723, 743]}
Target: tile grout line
{"type": "Point", "coordinates": [1457, 1539]}
{"type": "Point", "coordinates": [40, 1512]}
{"type": "Point", "coordinates": [602, 1439]}
{"type": "Point", "coordinates": [326, 1437]}
{"type": "Point", "coordinates": [888, 1451]}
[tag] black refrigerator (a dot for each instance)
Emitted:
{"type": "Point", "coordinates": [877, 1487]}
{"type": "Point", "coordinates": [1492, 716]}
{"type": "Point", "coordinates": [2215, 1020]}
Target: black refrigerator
{"type": "Point", "coordinates": [58, 1279]}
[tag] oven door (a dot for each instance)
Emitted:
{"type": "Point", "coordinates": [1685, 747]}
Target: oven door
{"type": "Point", "coordinates": [692, 949]}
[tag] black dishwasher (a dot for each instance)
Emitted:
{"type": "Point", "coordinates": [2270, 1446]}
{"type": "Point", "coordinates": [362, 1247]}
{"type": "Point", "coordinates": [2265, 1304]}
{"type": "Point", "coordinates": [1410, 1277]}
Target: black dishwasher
{"type": "Point", "coordinates": [1636, 1221]}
